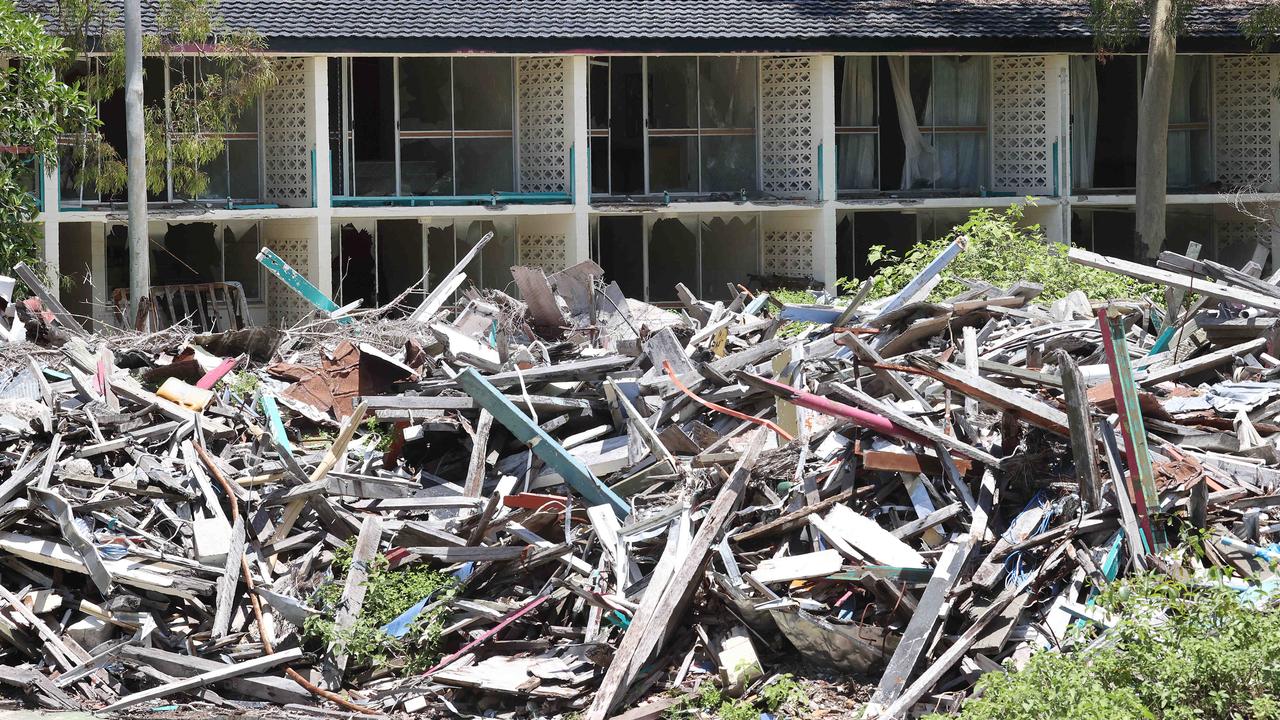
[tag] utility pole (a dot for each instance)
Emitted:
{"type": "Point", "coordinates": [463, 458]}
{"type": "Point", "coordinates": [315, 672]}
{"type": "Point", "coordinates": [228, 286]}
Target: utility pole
{"type": "Point", "coordinates": [139, 262]}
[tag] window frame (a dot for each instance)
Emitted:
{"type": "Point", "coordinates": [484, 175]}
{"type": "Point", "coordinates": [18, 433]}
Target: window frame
{"type": "Point", "coordinates": [695, 133]}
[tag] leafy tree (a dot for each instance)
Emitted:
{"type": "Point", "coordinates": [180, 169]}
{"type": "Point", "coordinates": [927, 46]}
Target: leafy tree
{"type": "Point", "coordinates": [35, 109]}
{"type": "Point", "coordinates": [1117, 25]}
{"type": "Point", "coordinates": [216, 73]}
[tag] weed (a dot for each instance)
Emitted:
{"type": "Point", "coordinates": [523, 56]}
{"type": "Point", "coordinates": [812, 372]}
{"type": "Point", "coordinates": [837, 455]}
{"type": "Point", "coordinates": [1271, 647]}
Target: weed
{"type": "Point", "coordinates": [385, 432]}
{"type": "Point", "coordinates": [242, 386]}
{"type": "Point", "coordinates": [388, 594]}
{"type": "Point", "coordinates": [781, 694]}
{"type": "Point", "coordinates": [1000, 252]}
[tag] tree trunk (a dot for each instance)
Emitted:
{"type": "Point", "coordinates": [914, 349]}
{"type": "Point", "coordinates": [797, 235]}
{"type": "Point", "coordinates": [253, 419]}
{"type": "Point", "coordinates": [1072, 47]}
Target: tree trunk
{"type": "Point", "coordinates": [1153, 130]}
{"type": "Point", "coordinates": [139, 255]}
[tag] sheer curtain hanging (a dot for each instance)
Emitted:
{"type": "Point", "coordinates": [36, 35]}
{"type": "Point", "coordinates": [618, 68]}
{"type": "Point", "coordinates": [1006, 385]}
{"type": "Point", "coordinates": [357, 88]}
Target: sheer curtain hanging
{"type": "Point", "coordinates": [958, 98]}
{"type": "Point", "coordinates": [1188, 105]}
{"type": "Point", "coordinates": [856, 153]}
{"type": "Point", "coordinates": [1084, 119]}
{"type": "Point", "coordinates": [920, 163]}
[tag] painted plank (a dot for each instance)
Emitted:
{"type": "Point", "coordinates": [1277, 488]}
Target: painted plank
{"type": "Point", "coordinates": [574, 472]}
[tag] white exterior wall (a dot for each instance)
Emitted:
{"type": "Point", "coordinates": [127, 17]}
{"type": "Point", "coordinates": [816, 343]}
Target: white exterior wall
{"type": "Point", "coordinates": [1029, 155]}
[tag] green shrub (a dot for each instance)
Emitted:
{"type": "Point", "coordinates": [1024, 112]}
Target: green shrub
{"type": "Point", "coordinates": [1000, 252]}
{"type": "Point", "coordinates": [782, 695]}
{"type": "Point", "coordinates": [1211, 657]}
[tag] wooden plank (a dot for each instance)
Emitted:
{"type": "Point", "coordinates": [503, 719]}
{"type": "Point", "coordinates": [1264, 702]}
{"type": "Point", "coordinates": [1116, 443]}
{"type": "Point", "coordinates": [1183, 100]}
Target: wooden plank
{"type": "Point", "coordinates": [931, 611]}
{"type": "Point", "coordinates": [1202, 362]}
{"type": "Point", "coordinates": [797, 567]}
{"type": "Point", "coordinates": [1146, 273]}
{"type": "Point", "coordinates": [65, 319]}
{"type": "Point", "coordinates": [1084, 447]}
{"type": "Point", "coordinates": [572, 470]}
{"type": "Point", "coordinates": [658, 611]}
{"type": "Point", "coordinates": [353, 592]}
{"type": "Point", "coordinates": [444, 289]}
{"type": "Point", "coordinates": [869, 539]}
{"type": "Point", "coordinates": [1016, 402]}
{"type": "Point", "coordinates": [479, 449]}
{"type": "Point", "coordinates": [207, 678]}
{"type": "Point", "coordinates": [536, 293]}
{"type": "Point", "coordinates": [262, 687]}
{"type": "Point", "coordinates": [1142, 481]}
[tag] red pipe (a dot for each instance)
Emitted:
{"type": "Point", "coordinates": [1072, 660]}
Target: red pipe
{"type": "Point", "coordinates": [817, 403]}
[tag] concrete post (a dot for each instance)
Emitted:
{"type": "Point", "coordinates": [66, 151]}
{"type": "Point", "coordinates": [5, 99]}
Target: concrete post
{"type": "Point", "coordinates": [321, 241]}
{"type": "Point", "coordinates": [824, 97]}
{"type": "Point", "coordinates": [579, 240]}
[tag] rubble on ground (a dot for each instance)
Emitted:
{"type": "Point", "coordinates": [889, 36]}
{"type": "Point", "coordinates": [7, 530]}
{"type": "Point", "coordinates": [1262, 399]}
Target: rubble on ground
{"type": "Point", "coordinates": [576, 502]}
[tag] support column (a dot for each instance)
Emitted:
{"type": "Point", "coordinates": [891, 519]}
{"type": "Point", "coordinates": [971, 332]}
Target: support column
{"type": "Point", "coordinates": [49, 193]}
{"type": "Point", "coordinates": [824, 96]}
{"type": "Point", "coordinates": [578, 246]}
{"type": "Point", "coordinates": [101, 294]}
{"type": "Point", "coordinates": [321, 242]}
{"type": "Point", "coordinates": [1059, 96]}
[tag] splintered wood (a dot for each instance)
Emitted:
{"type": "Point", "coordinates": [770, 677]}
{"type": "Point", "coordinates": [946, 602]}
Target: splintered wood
{"type": "Point", "coordinates": [577, 503]}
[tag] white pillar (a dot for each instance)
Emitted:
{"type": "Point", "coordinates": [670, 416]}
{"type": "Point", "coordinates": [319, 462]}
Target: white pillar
{"type": "Point", "coordinates": [579, 239]}
{"type": "Point", "coordinates": [1058, 94]}
{"type": "Point", "coordinates": [824, 112]}
{"type": "Point", "coordinates": [49, 192]}
{"type": "Point", "coordinates": [98, 271]}
{"type": "Point", "coordinates": [322, 193]}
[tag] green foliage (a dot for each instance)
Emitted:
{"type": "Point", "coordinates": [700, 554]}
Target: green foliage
{"type": "Point", "coordinates": [1212, 656]}
{"type": "Point", "coordinates": [1001, 252]}
{"type": "Point", "coordinates": [388, 594]}
{"type": "Point", "coordinates": [35, 108]}
{"type": "Point", "coordinates": [782, 694]}
{"type": "Point", "coordinates": [385, 432]}
{"type": "Point", "coordinates": [1262, 27]}
{"type": "Point", "coordinates": [242, 386]}
{"type": "Point", "coordinates": [208, 92]}
{"type": "Point", "coordinates": [1117, 24]}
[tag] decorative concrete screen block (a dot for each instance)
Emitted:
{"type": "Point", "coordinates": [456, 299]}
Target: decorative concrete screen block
{"type": "Point", "coordinates": [543, 132]}
{"type": "Point", "coordinates": [285, 306]}
{"type": "Point", "coordinates": [788, 137]}
{"type": "Point", "coordinates": [788, 253]}
{"type": "Point", "coordinates": [286, 150]}
{"type": "Point", "coordinates": [1243, 87]}
{"type": "Point", "coordinates": [546, 251]}
{"type": "Point", "coordinates": [1021, 148]}
{"type": "Point", "coordinates": [1238, 237]}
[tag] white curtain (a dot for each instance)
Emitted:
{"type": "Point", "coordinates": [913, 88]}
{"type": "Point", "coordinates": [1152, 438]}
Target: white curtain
{"type": "Point", "coordinates": [1188, 159]}
{"type": "Point", "coordinates": [920, 165]}
{"type": "Point", "coordinates": [958, 98]}
{"type": "Point", "coordinates": [1084, 119]}
{"type": "Point", "coordinates": [856, 153]}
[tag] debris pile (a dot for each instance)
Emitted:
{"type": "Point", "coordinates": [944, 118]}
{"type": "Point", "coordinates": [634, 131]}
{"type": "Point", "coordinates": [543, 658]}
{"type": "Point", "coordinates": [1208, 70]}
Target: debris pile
{"type": "Point", "coordinates": [573, 502]}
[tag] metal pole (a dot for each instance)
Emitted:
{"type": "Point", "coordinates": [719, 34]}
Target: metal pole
{"type": "Point", "coordinates": [139, 265]}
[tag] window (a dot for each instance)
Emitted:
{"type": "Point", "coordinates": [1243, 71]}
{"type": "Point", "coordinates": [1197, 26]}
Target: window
{"type": "Point", "coordinates": [1190, 152]}
{"type": "Point", "coordinates": [857, 123]}
{"type": "Point", "coordinates": [450, 241]}
{"type": "Point", "coordinates": [675, 124]}
{"type": "Point", "coordinates": [232, 175]}
{"type": "Point", "coordinates": [424, 126]}
{"type": "Point", "coordinates": [704, 254]}
{"type": "Point", "coordinates": [912, 123]}
{"type": "Point", "coordinates": [950, 93]}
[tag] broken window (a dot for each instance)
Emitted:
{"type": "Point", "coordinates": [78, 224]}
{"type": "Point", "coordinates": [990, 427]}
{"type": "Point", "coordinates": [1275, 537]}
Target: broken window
{"type": "Point", "coordinates": [400, 260]}
{"type": "Point", "coordinates": [241, 242]}
{"type": "Point", "coordinates": [857, 131]}
{"type": "Point", "coordinates": [676, 124]}
{"type": "Point", "coordinates": [373, 130]}
{"type": "Point", "coordinates": [1190, 153]}
{"type": "Point", "coordinates": [897, 231]}
{"type": "Point", "coordinates": [1104, 96]}
{"type": "Point", "coordinates": [448, 242]}
{"type": "Point", "coordinates": [912, 122]}
{"type": "Point", "coordinates": [703, 253]}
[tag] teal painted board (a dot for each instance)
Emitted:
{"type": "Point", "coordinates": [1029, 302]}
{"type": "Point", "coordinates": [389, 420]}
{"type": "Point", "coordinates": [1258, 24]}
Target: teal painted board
{"type": "Point", "coordinates": [299, 284]}
{"type": "Point", "coordinates": [276, 424]}
{"type": "Point", "coordinates": [575, 474]}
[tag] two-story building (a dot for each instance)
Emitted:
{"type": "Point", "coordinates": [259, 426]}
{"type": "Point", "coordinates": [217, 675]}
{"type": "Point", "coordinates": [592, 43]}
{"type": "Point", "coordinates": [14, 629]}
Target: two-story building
{"type": "Point", "coordinates": [678, 141]}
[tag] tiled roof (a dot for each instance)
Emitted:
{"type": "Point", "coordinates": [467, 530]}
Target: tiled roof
{"type": "Point", "coordinates": [665, 24]}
